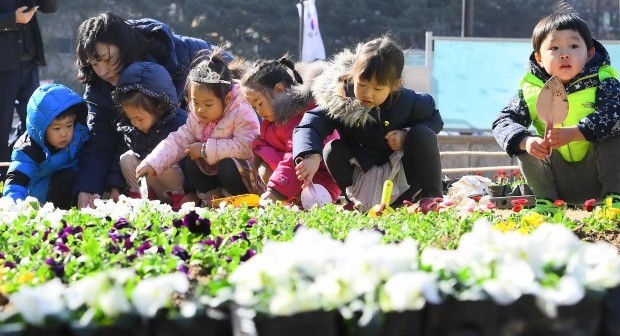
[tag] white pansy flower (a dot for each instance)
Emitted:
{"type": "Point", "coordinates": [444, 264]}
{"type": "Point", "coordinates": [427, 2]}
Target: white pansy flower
{"type": "Point", "coordinates": [363, 239]}
{"type": "Point", "coordinates": [152, 294]}
{"type": "Point", "coordinates": [567, 293]}
{"type": "Point", "coordinates": [390, 259]}
{"type": "Point", "coordinates": [284, 302]}
{"type": "Point", "coordinates": [597, 265]}
{"type": "Point", "coordinates": [334, 289]}
{"type": "Point", "coordinates": [510, 282]}
{"type": "Point", "coordinates": [550, 244]}
{"type": "Point", "coordinates": [35, 303]}
{"type": "Point", "coordinates": [84, 291]}
{"type": "Point", "coordinates": [438, 259]}
{"type": "Point", "coordinates": [409, 291]}
{"type": "Point", "coordinates": [113, 301]}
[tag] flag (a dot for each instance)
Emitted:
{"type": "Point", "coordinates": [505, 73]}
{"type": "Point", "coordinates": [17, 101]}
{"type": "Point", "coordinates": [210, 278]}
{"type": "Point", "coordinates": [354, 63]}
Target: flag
{"type": "Point", "coordinates": [312, 47]}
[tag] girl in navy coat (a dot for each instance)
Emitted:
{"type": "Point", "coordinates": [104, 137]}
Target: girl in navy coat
{"type": "Point", "coordinates": [361, 96]}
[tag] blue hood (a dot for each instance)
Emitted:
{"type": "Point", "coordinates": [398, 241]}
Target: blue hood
{"type": "Point", "coordinates": [45, 104]}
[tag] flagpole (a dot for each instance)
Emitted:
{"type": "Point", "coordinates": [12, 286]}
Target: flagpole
{"type": "Point", "coordinates": [301, 29]}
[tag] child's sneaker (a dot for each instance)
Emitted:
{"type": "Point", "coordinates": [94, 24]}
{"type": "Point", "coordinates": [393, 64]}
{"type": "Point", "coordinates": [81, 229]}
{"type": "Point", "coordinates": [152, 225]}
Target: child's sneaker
{"type": "Point", "coordinates": [545, 207]}
{"type": "Point", "coordinates": [175, 199]}
{"type": "Point", "coordinates": [132, 193]}
{"type": "Point", "coordinates": [427, 205]}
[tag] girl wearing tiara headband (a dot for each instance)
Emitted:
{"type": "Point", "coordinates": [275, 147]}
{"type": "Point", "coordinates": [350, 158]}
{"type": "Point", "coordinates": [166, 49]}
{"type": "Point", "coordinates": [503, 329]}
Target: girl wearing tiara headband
{"type": "Point", "coordinates": [217, 136]}
{"type": "Point", "coordinates": [281, 101]}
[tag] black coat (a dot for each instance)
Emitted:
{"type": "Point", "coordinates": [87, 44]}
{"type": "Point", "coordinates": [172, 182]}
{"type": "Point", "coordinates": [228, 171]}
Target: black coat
{"type": "Point", "coordinates": [367, 142]}
{"type": "Point", "coordinates": [11, 34]}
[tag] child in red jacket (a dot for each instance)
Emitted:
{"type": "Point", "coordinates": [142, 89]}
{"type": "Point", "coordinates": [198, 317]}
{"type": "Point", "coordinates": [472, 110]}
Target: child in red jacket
{"type": "Point", "coordinates": [281, 101]}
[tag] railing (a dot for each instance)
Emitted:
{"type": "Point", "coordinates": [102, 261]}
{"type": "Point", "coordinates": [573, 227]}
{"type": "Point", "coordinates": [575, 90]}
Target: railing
{"type": "Point", "coordinates": [473, 169]}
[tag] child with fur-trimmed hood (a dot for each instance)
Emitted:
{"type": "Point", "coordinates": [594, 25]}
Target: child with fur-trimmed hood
{"type": "Point", "coordinates": [386, 131]}
{"type": "Point", "coordinates": [281, 101]}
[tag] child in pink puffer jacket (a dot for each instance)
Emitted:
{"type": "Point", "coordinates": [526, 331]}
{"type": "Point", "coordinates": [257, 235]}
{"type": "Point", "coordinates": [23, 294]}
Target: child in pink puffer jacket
{"type": "Point", "coordinates": [217, 136]}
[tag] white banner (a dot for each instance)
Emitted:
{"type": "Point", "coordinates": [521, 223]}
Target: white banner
{"type": "Point", "coordinates": [312, 43]}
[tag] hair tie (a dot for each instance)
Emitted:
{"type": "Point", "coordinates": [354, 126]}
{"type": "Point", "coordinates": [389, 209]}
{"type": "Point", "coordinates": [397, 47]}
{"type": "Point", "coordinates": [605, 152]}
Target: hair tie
{"type": "Point", "coordinates": [291, 65]}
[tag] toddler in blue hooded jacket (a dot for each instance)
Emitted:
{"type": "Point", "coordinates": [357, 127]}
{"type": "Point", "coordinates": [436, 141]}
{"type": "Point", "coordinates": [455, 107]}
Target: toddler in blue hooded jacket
{"type": "Point", "coordinates": [44, 161]}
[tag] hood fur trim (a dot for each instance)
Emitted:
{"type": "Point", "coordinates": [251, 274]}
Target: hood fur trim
{"type": "Point", "coordinates": [329, 92]}
{"type": "Point", "coordinates": [298, 98]}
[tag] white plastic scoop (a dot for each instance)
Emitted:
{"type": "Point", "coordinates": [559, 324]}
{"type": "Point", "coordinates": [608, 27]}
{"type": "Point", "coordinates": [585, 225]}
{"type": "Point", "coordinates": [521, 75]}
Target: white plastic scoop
{"type": "Point", "coordinates": [552, 106]}
{"type": "Point", "coordinates": [313, 194]}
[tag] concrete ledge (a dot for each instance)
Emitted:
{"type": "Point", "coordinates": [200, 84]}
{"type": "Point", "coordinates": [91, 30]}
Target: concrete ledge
{"type": "Point", "coordinates": [472, 143]}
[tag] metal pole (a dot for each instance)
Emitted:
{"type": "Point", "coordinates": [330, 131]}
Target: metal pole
{"type": "Point", "coordinates": [301, 29]}
{"type": "Point", "coordinates": [467, 18]}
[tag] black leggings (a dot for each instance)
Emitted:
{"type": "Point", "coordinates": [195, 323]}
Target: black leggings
{"type": "Point", "coordinates": [228, 177]}
{"type": "Point", "coordinates": [421, 163]}
{"type": "Point", "coordinates": [60, 189]}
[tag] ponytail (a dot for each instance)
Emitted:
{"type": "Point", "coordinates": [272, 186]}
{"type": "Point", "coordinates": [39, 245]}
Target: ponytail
{"type": "Point", "coordinates": [284, 60]}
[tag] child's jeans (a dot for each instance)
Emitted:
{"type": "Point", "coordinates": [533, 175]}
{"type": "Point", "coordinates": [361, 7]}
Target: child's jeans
{"type": "Point", "coordinates": [170, 179]}
{"type": "Point", "coordinates": [575, 182]}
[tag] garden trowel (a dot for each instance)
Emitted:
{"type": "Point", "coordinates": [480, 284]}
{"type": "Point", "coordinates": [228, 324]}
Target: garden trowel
{"type": "Point", "coordinates": [552, 106]}
{"type": "Point", "coordinates": [384, 207]}
{"type": "Point", "coordinates": [144, 188]}
{"type": "Point", "coordinates": [249, 200]}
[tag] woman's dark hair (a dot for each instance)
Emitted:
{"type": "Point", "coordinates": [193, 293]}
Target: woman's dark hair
{"type": "Point", "coordinates": [112, 29]}
{"type": "Point", "coordinates": [564, 18]}
{"type": "Point", "coordinates": [380, 59]}
{"type": "Point", "coordinates": [138, 99]}
{"type": "Point", "coordinates": [212, 62]}
{"type": "Point", "coordinates": [263, 76]}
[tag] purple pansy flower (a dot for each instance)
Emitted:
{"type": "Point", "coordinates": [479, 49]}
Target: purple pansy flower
{"type": "Point", "coordinates": [9, 264]}
{"type": "Point", "coordinates": [145, 246]}
{"type": "Point", "coordinates": [112, 248]}
{"type": "Point", "coordinates": [183, 269]}
{"type": "Point", "coordinates": [128, 244]}
{"type": "Point", "coordinates": [57, 267]}
{"type": "Point", "coordinates": [62, 248]}
{"type": "Point", "coordinates": [251, 222]}
{"type": "Point", "coordinates": [180, 252]}
{"type": "Point", "coordinates": [45, 234]}
{"type": "Point", "coordinates": [248, 254]}
{"type": "Point", "coordinates": [215, 243]}
{"type": "Point", "coordinates": [121, 223]}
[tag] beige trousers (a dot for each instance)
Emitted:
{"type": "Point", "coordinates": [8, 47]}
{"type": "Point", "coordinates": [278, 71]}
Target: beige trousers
{"type": "Point", "coordinates": [170, 179]}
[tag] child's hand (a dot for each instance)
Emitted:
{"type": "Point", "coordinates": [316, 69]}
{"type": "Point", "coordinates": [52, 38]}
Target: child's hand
{"type": "Point", "coordinates": [115, 194]}
{"type": "Point", "coordinates": [269, 196]}
{"type": "Point", "coordinates": [561, 136]}
{"type": "Point", "coordinates": [86, 200]}
{"type": "Point", "coordinates": [193, 150]}
{"type": "Point", "coordinates": [536, 147]}
{"type": "Point", "coordinates": [396, 139]}
{"type": "Point", "coordinates": [145, 169]}
{"type": "Point", "coordinates": [306, 168]}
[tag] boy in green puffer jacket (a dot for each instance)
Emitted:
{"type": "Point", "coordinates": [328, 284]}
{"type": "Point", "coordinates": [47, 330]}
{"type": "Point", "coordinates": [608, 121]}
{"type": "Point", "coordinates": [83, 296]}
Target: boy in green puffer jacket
{"type": "Point", "coordinates": [584, 166]}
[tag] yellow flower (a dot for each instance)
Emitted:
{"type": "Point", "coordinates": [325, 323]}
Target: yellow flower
{"type": "Point", "coordinates": [25, 278]}
{"type": "Point", "coordinates": [505, 226]}
{"type": "Point", "coordinates": [532, 220]}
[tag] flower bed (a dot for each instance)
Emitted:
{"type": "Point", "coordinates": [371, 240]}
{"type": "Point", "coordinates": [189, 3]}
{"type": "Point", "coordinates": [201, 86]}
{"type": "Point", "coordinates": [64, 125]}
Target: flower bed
{"type": "Point", "coordinates": [139, 265]}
